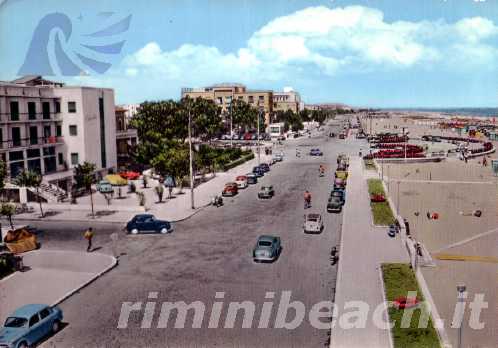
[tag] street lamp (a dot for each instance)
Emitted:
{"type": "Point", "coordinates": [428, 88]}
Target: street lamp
{"type": "Point", "coordinates": [191, 166]}
{"type": "Point", "coordinates": [260, 112]}
{"type": "Point", "coordinates": [231, 120]}
{"type": "Point", "coordinates": [461, 299]}
{"type": "Point", "coordinates": [397, 201]}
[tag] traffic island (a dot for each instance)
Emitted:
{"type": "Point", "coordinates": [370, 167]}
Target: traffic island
{"type": "Point", "coordinates": [399, 280]}
{"type": "Point", "coordinates": [381, 211]}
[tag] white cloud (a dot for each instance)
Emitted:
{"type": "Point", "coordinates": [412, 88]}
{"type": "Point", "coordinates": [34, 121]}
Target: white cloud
{"type": "Point", "coordinates": [322, 41]}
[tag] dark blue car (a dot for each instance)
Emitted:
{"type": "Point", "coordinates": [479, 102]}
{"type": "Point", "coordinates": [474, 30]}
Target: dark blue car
{"type": "Point", "coordinates": [258, 171]}
{"type": "Point", "coordinates": [29, 324]}
{"type": "Point", "coordinates": [147, 223]}
{"type": "Point", "coordinates": [265, 167]}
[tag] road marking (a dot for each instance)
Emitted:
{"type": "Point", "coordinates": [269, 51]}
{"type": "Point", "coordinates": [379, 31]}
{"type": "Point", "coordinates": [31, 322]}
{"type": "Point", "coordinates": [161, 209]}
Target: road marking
{"type": "Point", "coordinates": [472, 258]}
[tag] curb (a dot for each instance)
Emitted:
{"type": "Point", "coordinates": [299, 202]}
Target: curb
{"type": "Point", "coordinates": [198, 210]}
{"type": "Point", "coordinates": [88, 282]}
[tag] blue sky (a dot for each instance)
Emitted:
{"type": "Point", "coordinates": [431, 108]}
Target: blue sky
{"type": "Point", "coordinates": [379, 53]}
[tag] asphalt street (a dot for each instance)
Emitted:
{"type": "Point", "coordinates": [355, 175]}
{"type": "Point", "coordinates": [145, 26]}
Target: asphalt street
{"type": "Point", "coordinates": [210, 253]}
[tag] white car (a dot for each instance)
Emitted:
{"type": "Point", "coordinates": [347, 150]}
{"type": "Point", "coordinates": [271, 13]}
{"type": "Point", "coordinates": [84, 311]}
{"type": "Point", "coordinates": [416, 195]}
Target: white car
{"type": "Point", "coordinates": [241, 181]}
{"type": "Point", "coordinates": [313, 223]}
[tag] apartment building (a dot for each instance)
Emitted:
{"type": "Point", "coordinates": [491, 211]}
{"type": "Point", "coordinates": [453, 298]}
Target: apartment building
{"type": "Point", "coordinates": [222, 94]}
{"type": "Point", "coordinates": [126, 137]}
{"type": "Point", "coordinates": [50, 128]}
{"type": "Point", "coordinates": [287, 100]}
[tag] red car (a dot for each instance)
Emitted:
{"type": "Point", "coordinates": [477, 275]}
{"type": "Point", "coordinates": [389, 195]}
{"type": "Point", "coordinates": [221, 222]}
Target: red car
{"type": "Point", "coordinates": [230, 189]}
{"type": "Point", "coordinates": [129, 175]}
{"type": "Point", "coordinates": [377, 198]}
{"type": "Point", "coordinates": [247, 136]}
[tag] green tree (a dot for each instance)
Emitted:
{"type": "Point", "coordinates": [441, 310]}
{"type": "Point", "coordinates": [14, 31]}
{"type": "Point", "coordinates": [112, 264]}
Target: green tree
{"type": "Point", "coordinates": [243, 114]}
{"type": "Point", "coordinates": [84, 175]}
{"type": "Point", "coordinates": [205, 117]}
{"type": "Point", "coordinates": [8, 210]}
{"type": "Point", "coordinates": [174, 161]}
{"type": "Point", "coordinates": [3, 174]}
{"type": "Point", "coordinates": [30, 179]}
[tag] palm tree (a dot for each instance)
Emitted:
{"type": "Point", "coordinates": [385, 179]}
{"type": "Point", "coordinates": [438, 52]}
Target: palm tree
{"type": "Point", "coordinates": [8, 209]}
{"type": "Point", "coordinates": [29, 178]}
{"type": "Point", "coordinates": [84, 174]}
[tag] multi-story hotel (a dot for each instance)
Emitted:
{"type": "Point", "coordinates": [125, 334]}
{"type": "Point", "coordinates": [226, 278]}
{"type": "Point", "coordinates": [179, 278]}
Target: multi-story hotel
{"type": "Point", "coordinates": [50, 128]}
{"type": "Point", "coordinates": [222, 94]}
{"type": "Point", "coordinates": [287, 100]}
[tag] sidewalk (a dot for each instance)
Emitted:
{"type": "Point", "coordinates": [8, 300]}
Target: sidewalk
{"type": "Point", "coordinates": [51, 277]}
{"type": "Point", "coordinates": [120, 211]}
{"type": "Point", "coordinates": [363, 248]}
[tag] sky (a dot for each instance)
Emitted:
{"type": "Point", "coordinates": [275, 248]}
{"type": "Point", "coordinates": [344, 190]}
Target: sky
{"type": "Point", "coordinates": [370, 53]}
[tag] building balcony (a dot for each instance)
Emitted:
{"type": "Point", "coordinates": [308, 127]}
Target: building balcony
{"type": "Point", "coordinates": [125, 134]}
{"type": "Point", "coordinates": [25, 118]}
{"type": "Point", "coordinates": [30, 142]}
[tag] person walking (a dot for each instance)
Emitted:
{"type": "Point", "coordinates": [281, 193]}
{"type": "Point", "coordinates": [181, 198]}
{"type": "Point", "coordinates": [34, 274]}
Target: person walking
{"type": "Point", "coordinates": [88, 236]}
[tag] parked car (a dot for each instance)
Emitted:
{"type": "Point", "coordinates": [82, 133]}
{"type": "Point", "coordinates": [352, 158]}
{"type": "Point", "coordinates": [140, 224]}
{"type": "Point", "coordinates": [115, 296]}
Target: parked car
{"type": "Point", "coordinates": [265, 167]}
{"type": "Point", "coordinates": [340, 194]}
{"type": "Point", "coordinates": [278, 157]}
{"type": "Point", "coordinates": [266, 192]}
{"type": "Point", "coordinates": [258, 171]}
{"type": "Point", "coordinates": [339, 183]}
{"type": "Point", "coordinates": [267, 248]}
{"type": "Point", "coordinates": [313, 223]}
{"type": "Point", "coordinates": [254, 136]}
{"type": "Point", "coordinates": [104, 186]}
{"type": "Point", "coordinates": [147, 223]}
{"type": "Point", "coordinates": [334, 205]}
{"type": "Point", "coordinates": [29, 324]}
{"type": "Point", "coordinates": [247, 136]}
{"type": "Point", "coordinates": [251, 178]}
{"type": "Point", "coordinates": [230, 189]}
{"type": "Point", "coordinates": [130, 175]}
{"type": "Point", "coordinates": [316, 152]}
{"type": "Point", "coordinates": [241, 181]}
{"type": "Point", "coordinates": [342, 136]}
{"type": "Point", "coordinates": [391, 232]}
{"type": "Point", "coordinates": [341, 174]}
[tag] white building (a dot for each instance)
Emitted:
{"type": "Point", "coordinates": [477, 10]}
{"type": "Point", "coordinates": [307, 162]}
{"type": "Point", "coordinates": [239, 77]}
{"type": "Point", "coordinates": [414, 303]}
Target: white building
{"type": "Point", "coordinates": [131, 109]}
{"type": "Point", "coordinates": [50, 128]}
{"type": "Point", "coordinates": [287, 100]}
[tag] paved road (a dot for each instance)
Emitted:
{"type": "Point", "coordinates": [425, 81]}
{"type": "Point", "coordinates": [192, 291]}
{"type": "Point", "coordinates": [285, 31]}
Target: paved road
{"type": "Point", "coordinates": [210, 253]}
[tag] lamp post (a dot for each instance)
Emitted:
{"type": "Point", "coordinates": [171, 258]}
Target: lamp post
{"type": "Point", "coordinates": [260, 111]}
{"type": "Point", "coordinates": [230, 106]}
{"type": "Point", "coordinates": [461, 299]}
{"type": "Point", "coordinates": [191, 165]}
{"type": "Point", "coordinates": [397, 200]}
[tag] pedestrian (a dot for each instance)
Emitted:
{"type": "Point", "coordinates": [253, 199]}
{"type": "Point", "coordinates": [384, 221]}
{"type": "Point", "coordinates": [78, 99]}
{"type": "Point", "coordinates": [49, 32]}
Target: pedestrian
{"type": "Point", "coordinates": [88, 236]}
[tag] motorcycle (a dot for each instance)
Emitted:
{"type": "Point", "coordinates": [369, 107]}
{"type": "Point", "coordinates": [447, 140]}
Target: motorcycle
{"type": "Point", "coordinates": [307, 204]}
{"type": "Point", "coordinates": [217, 201]}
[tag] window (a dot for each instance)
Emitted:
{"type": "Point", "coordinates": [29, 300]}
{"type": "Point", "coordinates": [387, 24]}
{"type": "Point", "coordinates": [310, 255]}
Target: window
{"type": "Point", "coordinates": [16, 155]}
{"type": "Point", "coordinates": [58, 130]}
{"type": "Point", "coordinates": [46, 110]}
{"type": "Point", "coordinates": [33, 135]}
{"type": "Point", "coordinates": [251, 99]}
{"type": "Point", "coordinates": [16, 136]}
{"type": "Point", "coordinates": [49, 151]}
{"type": "Point", "coordinates": [44, 313]}
{"type": "Point", "coordinates": [32, 153]}
{"type": "Point", "coordinates": [103, 156]}
{"type": "Point", "coordinates": [34, 320]}
{"type": "Point", "coordinates": [47, 132]}
{"type": "Point", "coordinates": [57, 107]}
{"type": "Point", "coordinates": [73, 130]}
{"type": "Point", "coordinates": [14, 111]}
{"type": "Point", "coordinates": [71, 107]}
{"type": "Point", "coordinates": [32, 110]}
{"type": "Point", "coordinates": [219, 100]}
{"type": "Point", "coordinates": [261, 98]}
{"type": "Point", "coordinates": [74, 158]}
{"type": "Point", "coordinates": [1, 138]}
{"type": "Point", "coordinates": [60, 158]}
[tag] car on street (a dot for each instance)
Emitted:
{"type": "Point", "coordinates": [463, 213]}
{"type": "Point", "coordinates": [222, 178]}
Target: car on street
{"type": "Point", "coordinates": [105, 186]}
{"type": "Point", "coordinates": [278, 157]}
{"type": "Point", "coordinates": [281, 137]}
{"type": "Point", "coordinates": [334, 205]}
{"type": "Point", "coordinates": [340, 194]}
{"type": "Point", "coordinates": [265, 167]}
{"type": "Point", "coordinates": [241, 181]}
{"type": "Point", "coordinates": [266, 192]}
{"type": "Point", "coordinates": [267, 248]}
{"type": "Point", "coordinates": [393, 229]}
{"type": "Point", "coordinates": [339, 183]}
{"type": "Point", "coordinates": [258, 171]}
{"type": "Point", "coordinates": [148, 223]}
{"type": "Point", "coordinates": [313, 223]}
{"type": "Point", "coordinates": [230, 189]}
{"type": "Point", "coordinates": [29, 324]}
{"type": "Point", "coordinates": [316, 152]}
{"type": "Point", "coordinates": [247, 136]}
{"type": "Point", "coordinates": [251, 178]}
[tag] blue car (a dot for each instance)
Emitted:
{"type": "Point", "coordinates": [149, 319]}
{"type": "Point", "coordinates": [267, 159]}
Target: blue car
{"type": "Point", "coordinates": [29, 324]}
{"type": "Point", "coordinates": [316, 152]}
{"type": "Point", "coordinates": [147, 223]}
{"type": "Point", "coordinates": [258, 171]}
